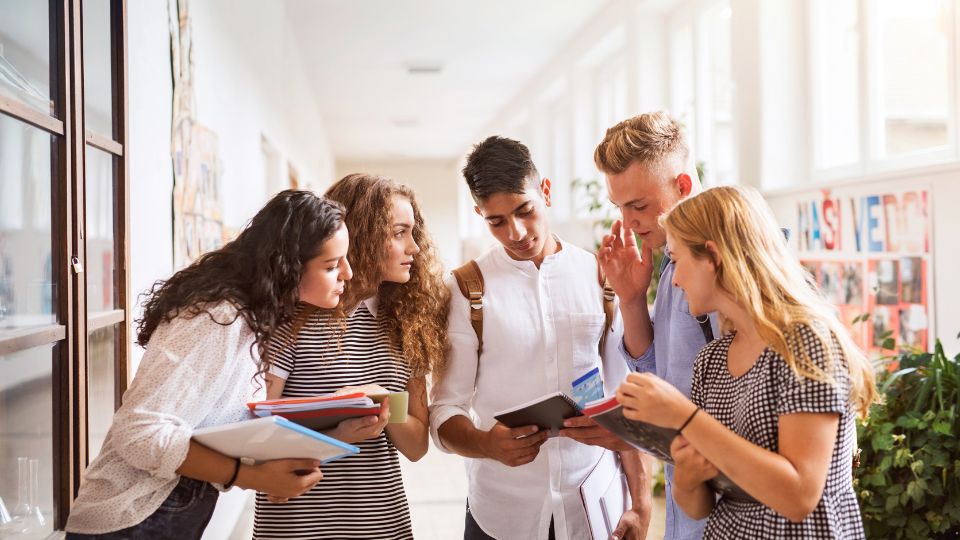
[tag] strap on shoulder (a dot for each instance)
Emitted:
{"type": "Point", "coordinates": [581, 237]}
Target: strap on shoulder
{"type": "Point", "coordinates": [608, 296]}
{"type": "Point", "coordinates": [470, 280]}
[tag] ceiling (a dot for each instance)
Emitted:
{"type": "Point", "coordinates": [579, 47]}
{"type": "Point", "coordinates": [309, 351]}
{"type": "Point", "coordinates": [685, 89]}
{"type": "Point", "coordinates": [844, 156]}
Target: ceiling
{"type": "Point", "coordinates": [357, 54]}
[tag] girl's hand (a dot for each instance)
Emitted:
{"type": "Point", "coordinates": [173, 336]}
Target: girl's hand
{"type": "Point", "coordinates": [691, 469]}
{"type": "Point", "coordinates": [361, 429]}
{"type": "Point", "coordinates": [648, 398]}
{"type": "Point", "coordinates": [281, 478]}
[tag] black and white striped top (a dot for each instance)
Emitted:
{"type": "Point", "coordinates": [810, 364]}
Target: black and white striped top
{"type": "Point", "coordinates": [360, 496]}
{"type": "Point", "coordinates": [751, 405]}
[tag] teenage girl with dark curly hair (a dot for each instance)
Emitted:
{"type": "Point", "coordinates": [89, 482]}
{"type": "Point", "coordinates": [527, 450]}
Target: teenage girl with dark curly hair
{"type": "Point", "coordinates": [394, 337]}
{"type": "Point", "coordinates": [206, 331]}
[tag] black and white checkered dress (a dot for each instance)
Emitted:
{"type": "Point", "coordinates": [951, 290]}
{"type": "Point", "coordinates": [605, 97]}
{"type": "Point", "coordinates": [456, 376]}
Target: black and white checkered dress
{"type": "Point", "coordinates": [751, 405]}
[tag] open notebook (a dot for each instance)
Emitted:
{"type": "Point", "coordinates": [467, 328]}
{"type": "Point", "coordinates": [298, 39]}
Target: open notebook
{"type": "Point", "coordinates": [272, 437]}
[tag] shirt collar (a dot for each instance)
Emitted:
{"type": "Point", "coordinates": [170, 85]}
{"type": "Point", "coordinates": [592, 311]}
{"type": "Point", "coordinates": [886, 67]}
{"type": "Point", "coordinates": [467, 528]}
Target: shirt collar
{"type": "Point", "coordinates": [528, 266]}
{"type": "Point", "coordinates": [371, 304]}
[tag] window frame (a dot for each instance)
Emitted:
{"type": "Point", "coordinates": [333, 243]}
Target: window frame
{"type": "Point", "coordinates": [870, 161]}
{"type": "Point", "coordinates": [66, 125]}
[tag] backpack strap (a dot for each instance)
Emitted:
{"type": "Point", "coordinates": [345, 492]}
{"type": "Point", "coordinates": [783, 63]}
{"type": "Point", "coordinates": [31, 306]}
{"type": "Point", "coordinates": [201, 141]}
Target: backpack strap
{"type": "Point", "coordinates": [470, 280]}
{"type": "Point", "coordinates": [608, 296]}
{"type": "Point", "coordinates": [705, 327]}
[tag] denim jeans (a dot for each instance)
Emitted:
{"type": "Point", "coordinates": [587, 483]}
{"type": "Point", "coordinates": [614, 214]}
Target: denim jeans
{"type": "Point", "coordinates": [472, 530]}
{"type": "Point", "coordinates": [183, 515]}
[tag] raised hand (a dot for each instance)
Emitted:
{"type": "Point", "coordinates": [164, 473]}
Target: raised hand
{"type": "Point", "coordinates": [628, 272]}
{"type": "Point", "coordinates": [513, 446]}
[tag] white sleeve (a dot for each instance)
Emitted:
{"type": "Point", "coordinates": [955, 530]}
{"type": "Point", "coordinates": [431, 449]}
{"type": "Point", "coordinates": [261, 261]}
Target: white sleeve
{"type": "Point", "coordinates": [186, 368]}
{"type": "Point", "coordinates": [452, 394]}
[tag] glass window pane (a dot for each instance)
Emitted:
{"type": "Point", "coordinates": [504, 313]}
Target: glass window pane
{"type": "Point", "coordinates": [836, 83]}
{"type": "Point", "coordinates": [97, 69]}
{"type": "Point", "coordinates": [26, 282]}
{"type": "Point", "coordinates": [101, 292]}
{"type": "Point", "coordinates": [26, 442]}
{"type": "Point", "coordinates": [101, 384]}
{"type": "Point", "coordinates": [913, 44]}
{"type": "Point", "coordinates": [25, 53]}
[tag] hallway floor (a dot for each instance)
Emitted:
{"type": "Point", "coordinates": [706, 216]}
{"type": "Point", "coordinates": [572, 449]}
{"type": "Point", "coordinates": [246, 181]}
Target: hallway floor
{"type": "Point", "coordinates": [436, 489]}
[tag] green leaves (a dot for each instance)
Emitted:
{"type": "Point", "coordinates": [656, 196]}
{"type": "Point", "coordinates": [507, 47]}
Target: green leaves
{"type": "Point", "coordinates": [909, 479]}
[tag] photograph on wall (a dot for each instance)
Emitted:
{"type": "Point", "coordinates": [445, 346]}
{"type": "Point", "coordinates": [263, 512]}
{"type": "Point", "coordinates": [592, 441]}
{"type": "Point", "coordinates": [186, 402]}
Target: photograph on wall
{"type": "Point", "coordinates": [883, 324]}
{"type": "Point", "coordinates": [869, 254]}
{"type": "Point", "coordinates": [852, 276]}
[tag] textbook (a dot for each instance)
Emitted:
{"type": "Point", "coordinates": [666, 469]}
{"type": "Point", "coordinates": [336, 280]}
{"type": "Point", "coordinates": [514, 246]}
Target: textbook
{"type": "Point", "coordinates": [654, 440]}
{"type": "Point", "coordinates": [326, 411]}
{"type": "Point", "coordinates": [272, 437]}
{"type": "Point", "coordinates": [546, 412]}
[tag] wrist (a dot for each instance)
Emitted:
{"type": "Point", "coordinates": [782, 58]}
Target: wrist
{"type": "Point", "coordinates": [686, 415]}
{"type": "Point", "coordinates": [246, 477]}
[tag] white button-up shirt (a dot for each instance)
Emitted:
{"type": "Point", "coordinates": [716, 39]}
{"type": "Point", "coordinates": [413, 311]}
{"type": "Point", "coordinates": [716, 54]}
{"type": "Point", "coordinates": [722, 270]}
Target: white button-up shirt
{"type": "Point", "coordinates": [541, 331]}
{"type": "Point", "coordinates": [195, 373]}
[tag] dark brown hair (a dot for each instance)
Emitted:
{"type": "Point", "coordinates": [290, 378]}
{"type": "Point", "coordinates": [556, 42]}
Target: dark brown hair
{"type": "Point", "coordinates": [259, 272]}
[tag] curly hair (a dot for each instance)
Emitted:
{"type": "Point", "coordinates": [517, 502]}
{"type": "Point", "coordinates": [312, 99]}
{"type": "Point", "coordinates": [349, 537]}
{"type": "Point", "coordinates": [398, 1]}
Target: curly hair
{"type": "Point", "coordinates": [415, 312]}
{"type": "Point", "coordinates": [259, 272]}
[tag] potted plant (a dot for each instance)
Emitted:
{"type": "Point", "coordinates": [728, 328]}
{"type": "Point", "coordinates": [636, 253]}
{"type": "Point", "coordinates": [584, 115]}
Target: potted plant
{"type": "Point", "coordinates": [908, 480]}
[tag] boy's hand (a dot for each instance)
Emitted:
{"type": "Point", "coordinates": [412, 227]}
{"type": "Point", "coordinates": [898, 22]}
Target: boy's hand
{"type": "Point", "coordinates": [513, 446]}
{"type": "Point", "coordinates": [628, 272]}
{"type": "Point", "coordinates": [584, 429]}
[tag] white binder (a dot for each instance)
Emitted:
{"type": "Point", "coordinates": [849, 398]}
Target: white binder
{"type": "Point", "coordinates": [272, 437]}
{"type": "Point", "coordinates": [606, 496]}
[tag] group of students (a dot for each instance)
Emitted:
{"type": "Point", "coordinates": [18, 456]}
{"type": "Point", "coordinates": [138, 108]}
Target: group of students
{"type": "Point", "coordinates": [322, 294]}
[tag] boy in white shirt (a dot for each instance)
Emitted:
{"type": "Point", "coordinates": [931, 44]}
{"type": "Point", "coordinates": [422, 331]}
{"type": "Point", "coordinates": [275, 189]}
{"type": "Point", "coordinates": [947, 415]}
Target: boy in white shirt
{"type": "Point", "coordinates": [543, 317]}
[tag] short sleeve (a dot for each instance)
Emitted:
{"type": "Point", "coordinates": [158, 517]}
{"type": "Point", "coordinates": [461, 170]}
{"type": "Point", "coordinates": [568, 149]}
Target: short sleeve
{"type": "Point", "coordinates": [701, 370]}
{"type": "Point", "coordinates": [801, 394]}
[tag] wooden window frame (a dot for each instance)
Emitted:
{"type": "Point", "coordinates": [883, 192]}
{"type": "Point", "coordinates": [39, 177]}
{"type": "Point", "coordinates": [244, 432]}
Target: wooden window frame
{"type": "Point", "coordinates": [66, 125]}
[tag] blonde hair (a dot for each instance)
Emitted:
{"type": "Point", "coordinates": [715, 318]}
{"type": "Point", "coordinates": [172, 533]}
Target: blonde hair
{"type": "Point", "coordinates": [648, 138]}
{"type": "Point", "coordinates": [757, 270]}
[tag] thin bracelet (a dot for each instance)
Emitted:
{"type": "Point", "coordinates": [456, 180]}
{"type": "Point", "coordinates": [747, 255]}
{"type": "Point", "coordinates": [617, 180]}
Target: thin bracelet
{"type": "Point", "coordinates": [236, 471]}
{"type": "Point", "coordinates": [695, 411]}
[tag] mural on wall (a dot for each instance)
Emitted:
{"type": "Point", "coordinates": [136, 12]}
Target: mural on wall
{"type": "Point", "coordinates": [870, 254]}
{"type": "Point", "coordinates": [197, 194]}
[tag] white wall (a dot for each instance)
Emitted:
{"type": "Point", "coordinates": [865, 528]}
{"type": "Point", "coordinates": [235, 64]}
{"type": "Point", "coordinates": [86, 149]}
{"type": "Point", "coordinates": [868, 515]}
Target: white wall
{"type": "Point", "coordinates": [436, 184]}
{"type": "Point", "coordinates": [249, 84]}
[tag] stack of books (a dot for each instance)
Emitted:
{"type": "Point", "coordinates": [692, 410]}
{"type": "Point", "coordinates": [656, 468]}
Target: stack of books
{"type": "Point", "coordinates": [319, 412]}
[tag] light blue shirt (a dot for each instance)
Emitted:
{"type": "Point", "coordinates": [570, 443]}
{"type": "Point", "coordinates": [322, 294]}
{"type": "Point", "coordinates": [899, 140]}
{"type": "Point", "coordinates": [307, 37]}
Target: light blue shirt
{"type": "Point", "coordinates": [677, 340]}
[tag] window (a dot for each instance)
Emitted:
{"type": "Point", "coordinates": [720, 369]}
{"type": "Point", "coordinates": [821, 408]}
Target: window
{"type": "Point", "coordinates": [63, 226]}
{"type": "Point", "coordinates": [701, 87]}
{"type": "Point", "coordinates": [882, 80]}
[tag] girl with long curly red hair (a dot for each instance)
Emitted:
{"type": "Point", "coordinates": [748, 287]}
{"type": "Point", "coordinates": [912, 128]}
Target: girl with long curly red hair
{"type": "Point", "coordinates": [392, 337]}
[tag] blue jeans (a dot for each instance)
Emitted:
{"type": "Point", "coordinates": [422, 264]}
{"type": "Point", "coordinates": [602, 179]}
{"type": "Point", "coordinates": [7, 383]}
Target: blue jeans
{"type": "Point", "coordinates": [472, 530]}
{"type": "Point", "coordinates": [183, 515]}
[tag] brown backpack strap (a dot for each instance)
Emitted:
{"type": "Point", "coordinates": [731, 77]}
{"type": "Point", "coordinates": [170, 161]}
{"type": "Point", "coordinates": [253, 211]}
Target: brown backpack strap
{"type": "Point", "coordinates": [608, 296]}
{"type": "Point", "coordinates": [470, 281]}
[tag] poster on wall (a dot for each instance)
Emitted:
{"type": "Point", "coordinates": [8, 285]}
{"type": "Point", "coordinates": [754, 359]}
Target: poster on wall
{"type": "Point", "coordinates": [197, 194]}
{"type": "Point", "coordinates": [869, 252]}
